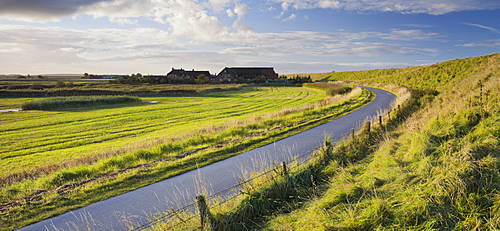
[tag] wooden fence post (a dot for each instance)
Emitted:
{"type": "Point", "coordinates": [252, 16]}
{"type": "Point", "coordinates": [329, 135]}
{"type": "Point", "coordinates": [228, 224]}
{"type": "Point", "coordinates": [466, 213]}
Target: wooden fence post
{"type": "Point", "coordinates": [203, 209]}
{"type": "Point", "coordinates": [285, 171]}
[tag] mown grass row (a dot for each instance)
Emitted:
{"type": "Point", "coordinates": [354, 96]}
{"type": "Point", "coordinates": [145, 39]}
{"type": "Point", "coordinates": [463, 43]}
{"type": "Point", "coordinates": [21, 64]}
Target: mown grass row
{"type": "Point", "coordinates": [43, 141]}
{"type": "Point", "coordinates": [433, 168]}
{"type": "Point", "coordinates": [77, 101]}
{"type": "Point", "coordinates": [330, 89]}
{"type": "Point", "coordinates": [250, 132]}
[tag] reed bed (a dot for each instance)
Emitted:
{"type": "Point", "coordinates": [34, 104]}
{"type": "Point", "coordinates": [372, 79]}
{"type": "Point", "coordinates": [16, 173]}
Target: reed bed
{"type": "Point", "coordinates": [77, 101]}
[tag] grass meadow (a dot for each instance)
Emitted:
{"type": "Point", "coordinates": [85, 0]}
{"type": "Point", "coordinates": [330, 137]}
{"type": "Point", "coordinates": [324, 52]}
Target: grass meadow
{"type": "Point", "coordinates": [35, 138]}
{"type": "Point", "coordinates": [434, 164]}
{"type": "Point", "coordinates": [61, 159]}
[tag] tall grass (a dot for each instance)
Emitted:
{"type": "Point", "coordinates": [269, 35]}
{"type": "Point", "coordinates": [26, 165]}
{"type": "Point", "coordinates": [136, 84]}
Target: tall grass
{"type": "Point", "coordinates": [77, 101]}
{"type": "Point", "coordinates": [330, 89]}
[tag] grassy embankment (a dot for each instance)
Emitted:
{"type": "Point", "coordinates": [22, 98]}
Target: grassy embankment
{"type": "Point", "coordinates": [54, 161]}
{"type": "Point", "coordinates": [434, 165]}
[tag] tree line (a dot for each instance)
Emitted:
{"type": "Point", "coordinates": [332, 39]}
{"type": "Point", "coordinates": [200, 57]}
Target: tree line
{"type": "Point", "coordinates": [138, 78]}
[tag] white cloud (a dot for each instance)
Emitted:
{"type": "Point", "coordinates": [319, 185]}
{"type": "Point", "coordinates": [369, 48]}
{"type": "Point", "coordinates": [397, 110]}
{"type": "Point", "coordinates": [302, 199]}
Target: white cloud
{"type": "Point", "coordinates": [409, 35]}
{"type": "Point", "coordinates": [61, 49]}
{"type": "Point", "coordinates": [494, 30]}
{"type": "Point", "coordinates": [340, 44]}
{"type": "Point", "coordinates": [329, 4]}
{"type": "Point", "coordinates": [123, 8]}
{"type": "Point", "coordinates": [195, 24]}
{"type": "Point", "coordinates": [290, 18]}
{"type": "Point", "coordinates": [218, 5]}
{"type": "Point", "coordinates": [190, 19]}
{"type": "Point", "coordinates": [230, 13]}
{"type": "Point", "coordinates": [72, 49]}
{"type": "Point", "coordinates": [418, 25]}
{"type": "Point", "coordinates": [433, 7]}
{"type": "Point", "coordinates": [487, 43]}
{"type": "Point", "coordinates": [285, 5]}
{"type": "Point", "coordinates": [241, 10]}
{"type": "Point", "coordinates": [372, 65]}
{"type": "Point", "coordinates": [9, 47]}
{"type": "Point", "coordinates": [150, 46]}
{"type": "Point", "coordinates": [57, 47]}
{"type": "Point", "coordinates": [123, 21]}
{"type": "Point", "coordinates": [323, 67]}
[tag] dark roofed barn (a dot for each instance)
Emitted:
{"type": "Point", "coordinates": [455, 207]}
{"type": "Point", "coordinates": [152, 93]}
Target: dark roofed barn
{"type": "Point", "coordinates": [232, 74]}
{"type": "Point", "coordinates": [181, 73]}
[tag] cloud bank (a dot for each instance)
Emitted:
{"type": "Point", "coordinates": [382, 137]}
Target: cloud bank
{"type": "Point", "coordinates": [433, 7]}
{"type": "Point", "coordinates": [53, 10]}
{"type": "Point", "coordinates": [42, 10]}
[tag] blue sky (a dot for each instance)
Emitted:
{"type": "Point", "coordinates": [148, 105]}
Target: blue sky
{"type": "Point", "coordinates": [293, 36]}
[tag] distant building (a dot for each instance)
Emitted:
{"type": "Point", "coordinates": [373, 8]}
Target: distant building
{"type": "Point", "coordinates": [182, 74]}
{"type": "Point", "coordinates": [232, 74]}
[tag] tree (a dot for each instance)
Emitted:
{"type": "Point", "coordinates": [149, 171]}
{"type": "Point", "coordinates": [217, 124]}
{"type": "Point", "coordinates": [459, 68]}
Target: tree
{"type": "Point", "coordinates": [60, 84]}
{"type": "Point", "coordinates": [189, 79]}
{"type": "Point", "coordinates": [202, 79]}
{"type": "Point", "coordinates": [260, 79]}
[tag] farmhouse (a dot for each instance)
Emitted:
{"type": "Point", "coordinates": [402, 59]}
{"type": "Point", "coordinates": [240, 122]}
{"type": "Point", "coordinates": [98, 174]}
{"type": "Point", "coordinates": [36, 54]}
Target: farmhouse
{"type": "Point", "coordinates": [183, 74]}
{"type": "Point", "coordinates": [247, 74]}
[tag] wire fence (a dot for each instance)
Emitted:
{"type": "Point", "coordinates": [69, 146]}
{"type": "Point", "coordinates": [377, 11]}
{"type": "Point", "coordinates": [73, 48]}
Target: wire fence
{"type": "Point", "coordinates": [175, 218]}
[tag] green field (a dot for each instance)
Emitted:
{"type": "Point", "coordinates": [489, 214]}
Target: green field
{"type": "Point", "coordinates": [43, 151]}
{"type": "Point", "coordinates": [33, 138]}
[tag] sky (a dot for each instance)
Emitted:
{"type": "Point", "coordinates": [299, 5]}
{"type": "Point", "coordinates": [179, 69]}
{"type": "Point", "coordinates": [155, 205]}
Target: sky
{"type": "Point", "coordinates": [293, 36]}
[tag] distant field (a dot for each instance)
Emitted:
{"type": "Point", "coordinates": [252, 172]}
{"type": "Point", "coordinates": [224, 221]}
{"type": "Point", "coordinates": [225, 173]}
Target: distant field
{"type": "Point", "coordinates": [48, 80]}
{"type": "Point", "coordinates": [65, 87]}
